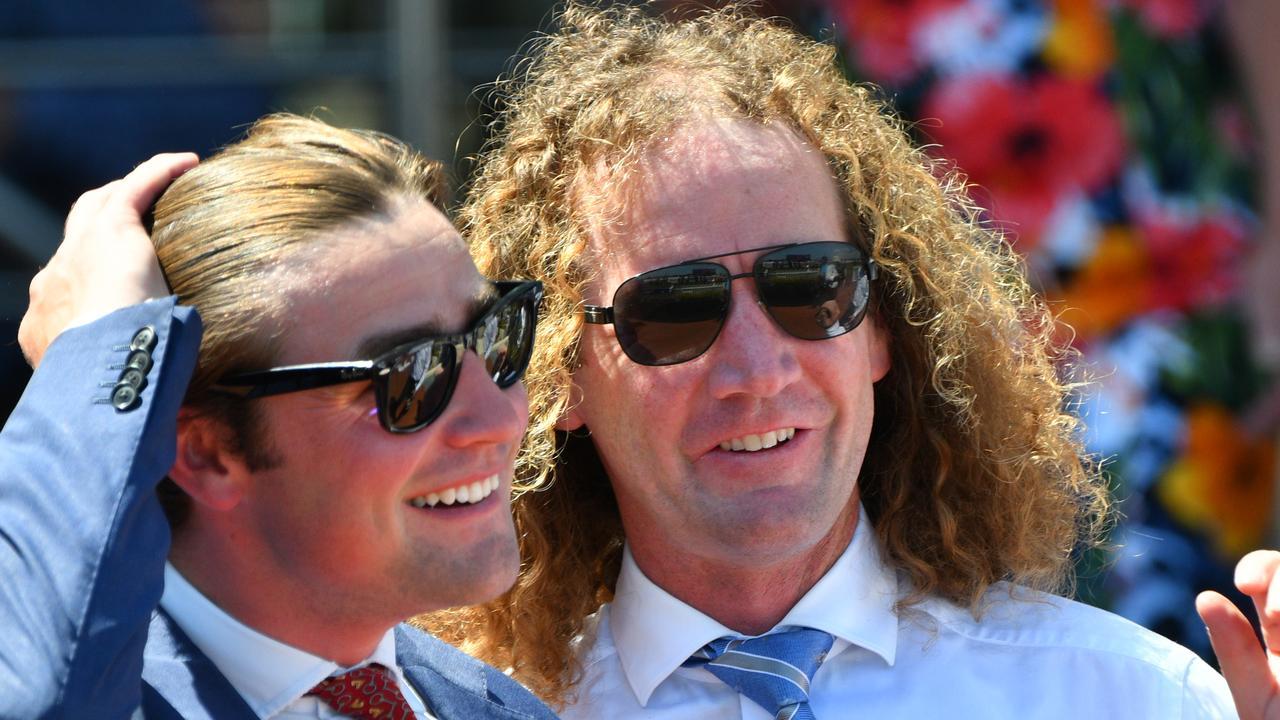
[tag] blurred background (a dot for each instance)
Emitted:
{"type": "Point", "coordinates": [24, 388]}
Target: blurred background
{"type": "Point", "coordinates": [1123, 145]}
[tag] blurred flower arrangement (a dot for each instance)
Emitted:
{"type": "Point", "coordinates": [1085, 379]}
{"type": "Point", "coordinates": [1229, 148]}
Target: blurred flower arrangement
{"type": "Point", "coordinates": [1109, 142]}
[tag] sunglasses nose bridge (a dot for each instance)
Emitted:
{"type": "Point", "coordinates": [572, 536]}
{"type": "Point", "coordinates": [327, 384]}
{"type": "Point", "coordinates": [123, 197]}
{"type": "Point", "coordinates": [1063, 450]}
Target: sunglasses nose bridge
{"type": "Point", "coordinates": [760, 320]}
{"type": "Point", "coordinates": [479, 412]}
{"type": "Point", "coordinates": [739, 276]}
{"type": "Point", "coordinates": [759, 300]}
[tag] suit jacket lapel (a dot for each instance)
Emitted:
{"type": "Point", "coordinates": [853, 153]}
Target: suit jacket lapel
{"type": "Point", "coordinates": [182, 677]}
{"type": "Point", "coordinates": [451, 683]}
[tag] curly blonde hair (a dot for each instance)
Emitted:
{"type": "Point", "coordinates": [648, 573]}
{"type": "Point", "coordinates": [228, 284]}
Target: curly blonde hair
{"type": "Point", "coordinates": [987, 480]}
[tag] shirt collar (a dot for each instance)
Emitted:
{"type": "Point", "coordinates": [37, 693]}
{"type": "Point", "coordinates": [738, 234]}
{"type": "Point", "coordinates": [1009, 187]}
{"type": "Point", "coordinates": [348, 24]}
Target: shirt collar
{"type": "Point", "coordinates": [268, 673]}
{"type": "Point", "coordinates": [654, 632]}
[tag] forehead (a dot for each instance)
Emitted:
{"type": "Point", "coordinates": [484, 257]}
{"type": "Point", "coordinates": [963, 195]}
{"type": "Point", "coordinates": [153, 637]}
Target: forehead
{"type": "Point", "coordinates": [378, 277]}
{"type": "Point", "coordinates": [715, 186]}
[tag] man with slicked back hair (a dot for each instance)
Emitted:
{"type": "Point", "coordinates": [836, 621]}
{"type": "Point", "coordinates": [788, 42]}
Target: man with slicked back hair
{"type": "Point", "coordinates": [303, 357]}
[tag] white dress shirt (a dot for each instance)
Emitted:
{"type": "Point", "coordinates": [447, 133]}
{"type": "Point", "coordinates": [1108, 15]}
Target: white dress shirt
{"type": "Point", "coordinates": [1030, 656]}
{"type": "Point", "coordinates": [271, 676]}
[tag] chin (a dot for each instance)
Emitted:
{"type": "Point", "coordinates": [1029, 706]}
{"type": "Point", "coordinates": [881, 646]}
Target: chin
{"type": "Point", "coordinates": [476, 579]}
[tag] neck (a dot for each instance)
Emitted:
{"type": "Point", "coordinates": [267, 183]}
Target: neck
{"type": "Point", "coordinates": [273, 603]}
{"type": "Point", "coordinates": [747, 598]}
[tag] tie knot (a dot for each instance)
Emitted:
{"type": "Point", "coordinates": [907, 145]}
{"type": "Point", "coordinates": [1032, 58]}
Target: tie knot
{"type": "Point", "coordinates": [367, 693]}
{"type": "Point", "coordinates": [774, 670]}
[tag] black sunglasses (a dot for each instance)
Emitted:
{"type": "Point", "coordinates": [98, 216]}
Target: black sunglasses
{"type": "Point", "coordinates": [413, 382]}
{"type": "Point", "coordinates": [813, 291]}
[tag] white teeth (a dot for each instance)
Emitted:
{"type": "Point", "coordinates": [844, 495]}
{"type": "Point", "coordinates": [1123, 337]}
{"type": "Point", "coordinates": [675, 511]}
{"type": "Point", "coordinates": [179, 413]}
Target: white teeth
{"type": "Point", "coordinates": [752, 443]}
{"type": "Point", "coordinates": [468, 494]}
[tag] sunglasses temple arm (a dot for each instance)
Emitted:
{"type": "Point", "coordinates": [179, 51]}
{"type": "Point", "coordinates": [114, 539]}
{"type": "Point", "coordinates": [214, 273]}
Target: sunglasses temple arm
{"type": "Point", "coordinates": [597, 315]}
{"type": "Point", "coordinates": [279, 381]}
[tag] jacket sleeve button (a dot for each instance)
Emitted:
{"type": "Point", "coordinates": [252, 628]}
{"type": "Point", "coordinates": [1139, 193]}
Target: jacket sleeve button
{"type": "Point", "coordinates": [139, 360]}
{"type": "Point", "coordinates": [124, 397]}
{"type": "Point", "coordinates": [144, 339]}
{"type": "Point", "coordinates": [133, 378]}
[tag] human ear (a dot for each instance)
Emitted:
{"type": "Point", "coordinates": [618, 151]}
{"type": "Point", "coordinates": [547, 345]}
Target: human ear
{"type": "Point", "coordinates": [878, 356]}
{"type": "Point", "coordinates": [205, 468]}
{"type": "Point", "coordinates": [571, 419]}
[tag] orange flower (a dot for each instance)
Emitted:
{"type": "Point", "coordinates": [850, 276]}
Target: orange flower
{"type": "Point", "coordinates": [1113, 286]}
{"type": "Point", "coordinates": [1080, 43]}
{"type": "Point", "coordinates": [1222, 484]}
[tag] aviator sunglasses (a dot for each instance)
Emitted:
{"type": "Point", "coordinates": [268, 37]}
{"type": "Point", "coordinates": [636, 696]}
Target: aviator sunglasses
{"type": "Point", "coordinates": [813, 291]}
{"type": "Point", "coordinates": [414, 382]}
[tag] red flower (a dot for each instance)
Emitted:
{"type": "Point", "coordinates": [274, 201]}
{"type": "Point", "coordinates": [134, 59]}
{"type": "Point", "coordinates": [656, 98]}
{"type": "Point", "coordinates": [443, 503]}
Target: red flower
{"type": "Point", "coordinates": [881, 34]}
{"type": "Point", "coordinates": [1025, 144]}
{"type": "Point", "coordinates": [1194, 258]}
{"type": "Point", "coordinates": [1171, 18]}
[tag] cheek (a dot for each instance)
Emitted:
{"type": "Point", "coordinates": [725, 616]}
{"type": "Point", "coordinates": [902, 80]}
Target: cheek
{"type": "Point", "coordinates": [519, 396]}
{"type": "Point", "coordinates": [637, 416]}
{"type": "Point", "coordinates": [358, 455]}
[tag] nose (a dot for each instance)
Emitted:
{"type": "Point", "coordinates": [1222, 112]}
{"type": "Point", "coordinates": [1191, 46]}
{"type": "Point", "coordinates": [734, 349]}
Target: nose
{"type": "Point", "coordinates": [480, 412]}
{"type": "Point", "coordinates": [752, 356]}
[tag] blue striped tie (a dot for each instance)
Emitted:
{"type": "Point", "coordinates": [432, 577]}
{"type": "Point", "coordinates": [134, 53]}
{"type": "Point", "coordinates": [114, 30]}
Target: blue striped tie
{"type": "Point", "coordinates": [773, 671]}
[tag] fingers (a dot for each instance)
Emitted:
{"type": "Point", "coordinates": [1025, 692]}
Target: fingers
{"type": "Point", "coordinates": [131, 195]}
{"type": "Point", "coordinates": [1257, 577]}
{"type": "Point", "coordinates": [106, 259]}
{"type": "Point", "coordinates": [1243, 662]}
{"type": "Point", "coordinates": [140, 188]}
{"type": "Point", "coordinates": [1255, 571]}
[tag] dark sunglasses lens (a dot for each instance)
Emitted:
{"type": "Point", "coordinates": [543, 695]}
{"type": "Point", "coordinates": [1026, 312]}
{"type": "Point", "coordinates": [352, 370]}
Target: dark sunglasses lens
{"type": "Point", "coordinates": [673, 314]}
{"type": "Point", "coordinates": [505, 339]}
{"type": "Point", "coordinates": [418, 385]}
{"type": "Point", "coordinates": [816, 290]}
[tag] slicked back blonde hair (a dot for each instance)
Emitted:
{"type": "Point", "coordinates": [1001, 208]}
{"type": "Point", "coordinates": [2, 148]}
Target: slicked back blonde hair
{"type": "Point", "coordinates": [974, 472]}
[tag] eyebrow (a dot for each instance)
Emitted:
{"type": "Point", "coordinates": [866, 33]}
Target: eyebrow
{"type": "Point", "coordinates": [376, 345]}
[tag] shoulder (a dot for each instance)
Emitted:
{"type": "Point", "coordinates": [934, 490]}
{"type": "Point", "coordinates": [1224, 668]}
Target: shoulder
{"type": "Point", "coordinates": [428, 662]}
{"type": "Point", "coordinates": [1039, 632]}
{"type": "Point", "coordinates": [1015, 616]}
{"type": "Point", "coordinates": [603, 689]}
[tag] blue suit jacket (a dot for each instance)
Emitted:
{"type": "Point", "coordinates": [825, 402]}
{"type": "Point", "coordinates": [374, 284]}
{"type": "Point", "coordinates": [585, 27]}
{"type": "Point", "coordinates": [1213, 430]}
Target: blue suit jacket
{"type": "Point", "coordinates": [83, 544]}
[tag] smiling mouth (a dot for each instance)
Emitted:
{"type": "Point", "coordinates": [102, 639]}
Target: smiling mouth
{"type": "Point", "coordinates": [461, 495]}
{"type": "Point", "coordinates": [763, 441]}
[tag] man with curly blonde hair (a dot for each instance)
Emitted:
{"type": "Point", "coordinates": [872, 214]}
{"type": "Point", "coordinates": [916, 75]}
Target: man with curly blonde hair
{"type": "Point", "coordinates": [798, 425]}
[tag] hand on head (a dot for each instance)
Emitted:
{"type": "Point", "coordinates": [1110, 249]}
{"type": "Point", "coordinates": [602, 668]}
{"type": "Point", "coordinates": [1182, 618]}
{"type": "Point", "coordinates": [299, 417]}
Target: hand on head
{"type": "Point", "coordinates": [106, 260]}
{"type": "Point", "coordinates": [1251, 671]}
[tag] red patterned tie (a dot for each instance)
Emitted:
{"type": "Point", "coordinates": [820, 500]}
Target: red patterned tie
{"type": "Point", "coordinates": [367, 693]}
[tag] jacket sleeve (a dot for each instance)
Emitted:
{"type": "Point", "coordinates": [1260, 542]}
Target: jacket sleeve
{"type": "Point", "coordinates": [82, 537]}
